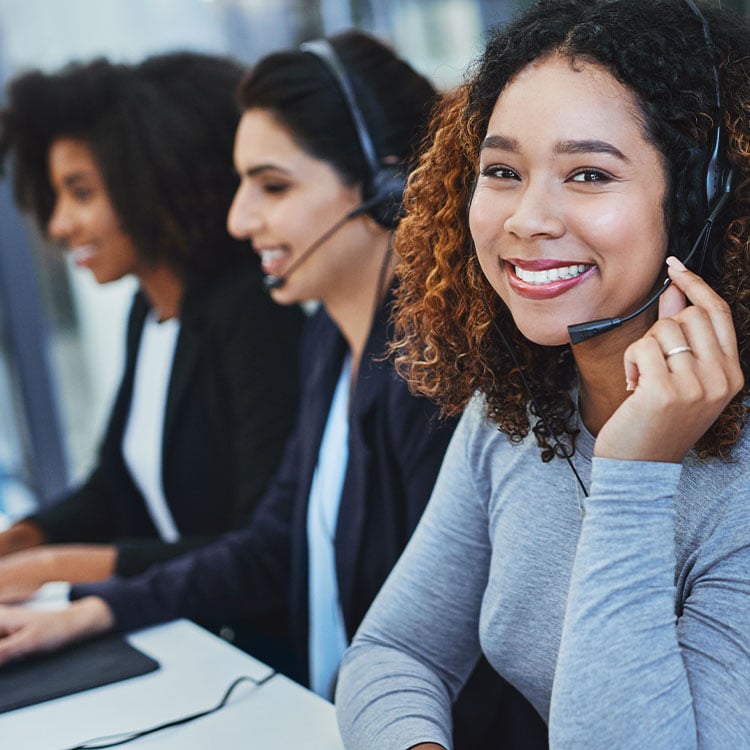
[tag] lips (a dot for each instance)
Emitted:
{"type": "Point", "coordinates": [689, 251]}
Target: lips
{"type": "Point", "coordinates": [545, 278]}
{"type": "Point", "coordinates": [272, 260]}
{"type": "Point", "coordinates": [83, 254]}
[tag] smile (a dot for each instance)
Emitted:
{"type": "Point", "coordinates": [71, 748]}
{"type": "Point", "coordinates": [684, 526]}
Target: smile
{"type": "Point", "coordinates": [272, 260]}
{"type": "Point", "coordinates": [551, 274]}
{"type": "Point", "coordinates": [544, 279]}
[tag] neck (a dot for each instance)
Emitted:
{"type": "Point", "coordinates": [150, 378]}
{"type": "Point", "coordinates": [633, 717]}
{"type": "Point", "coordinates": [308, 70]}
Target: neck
{"type": "Point", "coordinates": [352, 305]}
{"type": "Point", "coordinates": [601, 371]}
{"type": "Point", "coordinates": [164, 290]}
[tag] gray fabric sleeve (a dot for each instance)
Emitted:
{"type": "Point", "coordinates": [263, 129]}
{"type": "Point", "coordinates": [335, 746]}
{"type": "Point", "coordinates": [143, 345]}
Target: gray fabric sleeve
{"type": "Point", "coordinates": [436, 589]}
{"type": "Point", "coordinates": [628, 674]}
{"type": "Point", "coordinates": [655, 643]}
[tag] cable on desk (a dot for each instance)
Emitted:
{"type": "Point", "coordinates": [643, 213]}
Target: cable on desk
{"type": "Point", "coordinates": [121, 738]}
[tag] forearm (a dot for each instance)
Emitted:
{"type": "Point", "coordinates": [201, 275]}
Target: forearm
{"type": "Point", "coordinates": [620, 678]}
{"type": "Point", "coordinates": [77, 562]}
{"type": "Point", "coordinates": [235, 577]}
{"type": "Point", "coordinates": [414, 711]}
{"type": "Point", "coordinates": [19, 536]}
{"type": "Point", "coordinates": [22, 573]}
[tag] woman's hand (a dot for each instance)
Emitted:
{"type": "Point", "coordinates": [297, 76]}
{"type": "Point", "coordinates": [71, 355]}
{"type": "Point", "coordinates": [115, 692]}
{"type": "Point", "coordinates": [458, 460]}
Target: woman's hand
{"type": "Point", "coordinates": [20, 535]}
{"type": "Point", "coordinates": [24, 631]}
{"type": "Point", "coordinates": [682, 374]}
{"type": "Point", "coordinates": [22, 573]}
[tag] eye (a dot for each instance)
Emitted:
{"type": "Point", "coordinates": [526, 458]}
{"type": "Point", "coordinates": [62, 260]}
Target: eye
{"type": "Point", "coordinates": [275, 188]}
{"type": "Point", "coordinates": [499, 171]}
{"type": "Point", "coordinates": [590, 175]}
{"type": "Point", "coordinates": [82, 194]}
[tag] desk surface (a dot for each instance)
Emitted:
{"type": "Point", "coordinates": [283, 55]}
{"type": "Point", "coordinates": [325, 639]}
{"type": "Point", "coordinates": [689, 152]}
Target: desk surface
{"type": "Point", "coordinates": [196, 669]}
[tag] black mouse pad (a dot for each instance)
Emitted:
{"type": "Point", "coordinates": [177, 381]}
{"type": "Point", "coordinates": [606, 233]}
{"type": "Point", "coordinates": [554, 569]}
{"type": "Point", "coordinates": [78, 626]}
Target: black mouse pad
{"type": "Point", "coordinates": [79, 667]}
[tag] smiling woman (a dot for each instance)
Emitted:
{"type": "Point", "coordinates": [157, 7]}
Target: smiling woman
{"type": "Point", "coordinates": [589, 532]}
{"type": "Point", "coordinates": [129, 169]}
{"type": "Point", "coordinates": [574, 213]}
{"type": "Point", "coordinates": [84, 219]}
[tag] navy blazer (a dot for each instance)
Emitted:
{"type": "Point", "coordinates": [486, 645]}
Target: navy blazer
{"type": "Point", "coordinates": [260, 573]}
{"type": "Point", "coordinates": [231, 403]}
{"type": "Point", "coordinates": [396, 445]}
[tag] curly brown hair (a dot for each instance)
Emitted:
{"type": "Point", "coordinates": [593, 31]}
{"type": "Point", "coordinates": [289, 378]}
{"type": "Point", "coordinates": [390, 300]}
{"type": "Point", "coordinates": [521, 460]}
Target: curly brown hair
{"type": "Point", "coordinates": [445, 315]}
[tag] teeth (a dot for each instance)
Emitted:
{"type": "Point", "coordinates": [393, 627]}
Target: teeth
{"type": "Point", "coordinates": [83, 252]}
{"type": "Point", "coordinates": [268, 256]}
{"type": "Point", "coordinates": [551, 274]}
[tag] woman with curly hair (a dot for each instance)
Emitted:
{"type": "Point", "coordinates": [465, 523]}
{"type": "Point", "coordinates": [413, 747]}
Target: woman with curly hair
{"type": "Point", "coordinates": [589, 532]}
{"type": "Point", "coordinates": [128, 168]}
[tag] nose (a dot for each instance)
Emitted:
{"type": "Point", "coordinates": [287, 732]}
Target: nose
{"type": "Point", "coordinates": [535, 213]}
{"type": "Point", "coordinates": [60, 225]}
{"type": "Point", "coordinates": [243, 219]}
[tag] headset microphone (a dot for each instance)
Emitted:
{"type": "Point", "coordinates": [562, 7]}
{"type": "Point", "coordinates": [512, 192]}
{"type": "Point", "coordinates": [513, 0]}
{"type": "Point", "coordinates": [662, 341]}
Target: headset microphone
{"type": "Point", "coordinates": [708, 179]}
{"type": "Point", "coordinates": [276, 282]}
{"type": "Point", "coordinates": [583, 331]}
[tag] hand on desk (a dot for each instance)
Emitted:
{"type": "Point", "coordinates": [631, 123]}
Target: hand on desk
{"type": "Point", "coordinates": [20, 535]}
{"type": "Point", "coordinates": [22, 573]}
{"type": "Point", "coordinates": [24, 632]}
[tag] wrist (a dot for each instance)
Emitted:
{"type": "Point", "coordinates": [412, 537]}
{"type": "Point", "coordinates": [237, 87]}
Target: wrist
{"type": "Point", "coordinates": [20, 535]}
{"type": "Point", "coordinates": [90, 616]}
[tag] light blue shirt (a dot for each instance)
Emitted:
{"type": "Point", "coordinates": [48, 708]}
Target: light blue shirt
{"type": "Point", "coordinates": [327, 639]}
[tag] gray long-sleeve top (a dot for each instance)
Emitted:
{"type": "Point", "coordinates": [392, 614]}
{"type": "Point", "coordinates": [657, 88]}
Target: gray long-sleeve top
{"type": "Point", "coordinates": [627, 629]}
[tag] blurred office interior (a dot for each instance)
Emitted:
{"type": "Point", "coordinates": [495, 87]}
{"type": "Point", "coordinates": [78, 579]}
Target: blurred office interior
{"type": "Point", "coordinates": [61, 336]}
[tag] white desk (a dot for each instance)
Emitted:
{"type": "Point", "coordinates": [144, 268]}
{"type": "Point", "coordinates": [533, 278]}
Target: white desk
{"type": "Point", "coordinates": [196, 669]}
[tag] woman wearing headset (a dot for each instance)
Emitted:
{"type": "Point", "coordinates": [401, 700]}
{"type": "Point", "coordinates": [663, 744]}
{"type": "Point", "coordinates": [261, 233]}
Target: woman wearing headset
{"type": "Point", "coordinates": [361, 463]}
{"type": "Point", "coordinates": [127, 167]}
{"type": "Point", "coordinates": [582, 143]}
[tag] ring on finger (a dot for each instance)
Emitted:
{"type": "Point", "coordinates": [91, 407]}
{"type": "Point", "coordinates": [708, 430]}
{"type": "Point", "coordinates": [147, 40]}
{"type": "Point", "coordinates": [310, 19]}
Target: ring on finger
{"type": "Point", "coordinates": [677, 350]}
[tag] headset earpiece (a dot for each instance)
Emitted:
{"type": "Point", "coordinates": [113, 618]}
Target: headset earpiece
{"type": "Point", "coordinates": [705, 179]}
{"type": "Point", "coordinates": [387, 196]}
{"type": "Point", "coordinates": [383, 195]}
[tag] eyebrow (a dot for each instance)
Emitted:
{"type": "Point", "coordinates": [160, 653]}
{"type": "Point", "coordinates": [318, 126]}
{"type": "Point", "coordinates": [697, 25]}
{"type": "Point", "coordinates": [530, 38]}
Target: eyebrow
{"type": "Point", "coordinates": [505, 143]}
{"type": "Point", "coordinates": [589, 147]}
{"type": "Point", "coordinates": [70, 180]}
{"type": "Point", "coordinates": [253, 171]}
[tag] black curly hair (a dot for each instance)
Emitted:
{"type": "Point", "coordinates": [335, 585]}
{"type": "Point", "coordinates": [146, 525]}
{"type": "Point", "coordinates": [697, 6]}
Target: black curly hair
{"type": "Point", "coordinates": [162, 134]}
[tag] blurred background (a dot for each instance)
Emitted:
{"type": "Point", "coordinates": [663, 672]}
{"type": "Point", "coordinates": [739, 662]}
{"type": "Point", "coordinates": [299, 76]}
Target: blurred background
{"type": "Point", "coordinates": [61, 335]}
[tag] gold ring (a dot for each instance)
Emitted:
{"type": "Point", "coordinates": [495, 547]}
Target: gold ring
{"type": "Point", "coordinates": [677, 350]}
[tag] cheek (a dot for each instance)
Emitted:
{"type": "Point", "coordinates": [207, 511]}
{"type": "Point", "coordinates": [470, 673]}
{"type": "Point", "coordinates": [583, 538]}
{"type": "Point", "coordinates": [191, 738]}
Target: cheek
{"type": "Point", "coordinates": [486, 230]}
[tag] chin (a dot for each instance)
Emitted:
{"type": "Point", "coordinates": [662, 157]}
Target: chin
{"type": "Point", "coordinates": [552, 335]}
{"type": "Point", "coordinates": [285, 296]}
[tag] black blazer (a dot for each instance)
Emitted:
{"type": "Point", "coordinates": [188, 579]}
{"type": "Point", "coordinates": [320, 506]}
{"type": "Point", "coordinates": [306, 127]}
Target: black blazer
{"type": "Point", "coordinates": [396, 445]}
{"type": "Point", "coordinates": [260, 573]}
{"type": "Point", "coordinates": [230, 405]}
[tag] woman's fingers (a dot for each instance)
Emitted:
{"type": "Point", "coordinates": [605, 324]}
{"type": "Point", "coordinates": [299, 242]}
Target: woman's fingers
{"type": "Point", "coordinates": [25, 631]}
{"type": "Point", "coordinates": [704, 297]}
{"type": "Point", "coordinates": [682, 374]}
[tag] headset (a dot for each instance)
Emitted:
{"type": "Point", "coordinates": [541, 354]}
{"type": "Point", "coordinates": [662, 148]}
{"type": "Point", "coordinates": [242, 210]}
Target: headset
{"type": "Point", "coordinates": [704, 186]}
{"type": "Point", "coordinates": [383, 195]}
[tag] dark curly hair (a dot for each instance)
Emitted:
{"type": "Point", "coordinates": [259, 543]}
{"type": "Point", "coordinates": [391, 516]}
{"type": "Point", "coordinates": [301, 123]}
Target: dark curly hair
{"type": "Point", "coordinates": [445, 344]}
{"type": "Point", "coordinates": [162, 135]}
